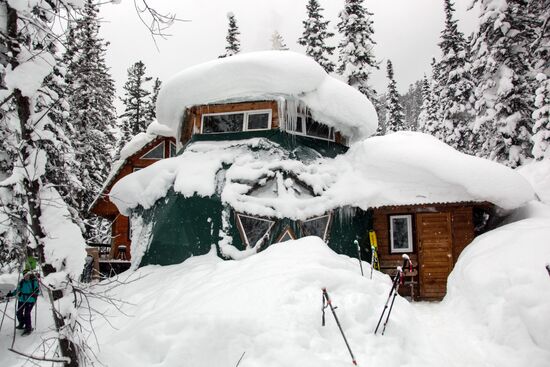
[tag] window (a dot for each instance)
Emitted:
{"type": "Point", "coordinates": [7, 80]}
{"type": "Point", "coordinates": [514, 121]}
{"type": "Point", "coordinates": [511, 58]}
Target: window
{"type": "Point", "coordinates": [258, 121]}
{"type": "Point", "coordinates": [318, 226]}
{"type": "Point", "coordinates": [155, 153]}
{"type": "Point", "coordinates": [213, 123]}
{"type": "Point", "coordinates": [173, 150]}
{"type": "Point", "coordinates": [287, 235]}
{"type": "Point", "coordinates": [309, 127]}
{"type": "Point", "coordinates": [401, 233]}
{"type": "Point", "coordinates": [253, 229]}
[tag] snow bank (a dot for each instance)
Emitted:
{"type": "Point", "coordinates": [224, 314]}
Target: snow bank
{"type": "Point", "coordinates": [500, 281]}
{"type": "Point", "coordinates": [396, 169]}
{"type": "Point", "coordinates": [268, 75]}
{"type": "Point", "coordinates": [538, 175]}
{"type": "Point", "coordinates": [207, 312]}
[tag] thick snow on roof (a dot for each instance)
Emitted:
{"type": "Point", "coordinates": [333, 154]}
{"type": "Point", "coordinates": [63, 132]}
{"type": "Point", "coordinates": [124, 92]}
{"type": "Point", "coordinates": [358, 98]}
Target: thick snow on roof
{"type": "Point", "coordinates": [396, 169]}
{"type": "Point", "coordinates": [265, 75]}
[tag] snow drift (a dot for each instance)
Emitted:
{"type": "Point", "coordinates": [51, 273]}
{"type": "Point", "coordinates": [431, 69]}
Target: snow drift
{"type": "Point", "coordinates": [268, 75]}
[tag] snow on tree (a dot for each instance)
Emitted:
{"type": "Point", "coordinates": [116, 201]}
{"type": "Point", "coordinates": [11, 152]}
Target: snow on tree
{"type": "Point", "coordinates": [315, 35]}
{"type": "Point", "coordinates": [356, 57]}
{"type": "Point", "coordinates": [277, 42]}
{"type": "Point", "coordinates": [412, 103]}
{"type": "Point", "coordinates": [153, 99]}
{"type": "Point", "coordinates": [454, 85]}
{"type": "Point", "coordinates": [91, 94]}
{"type": "Point", "coordinates": [233, 46]}
{"type": "Point", "coordinates": [428, 111]}
{"type": "Point", "coordinates": [137, 104]}
{"type": "Point", "coordinates": [395, 119]}
{"type": "Point", "coordinates": [29, 100]}
{"type": "Point", "coordinates": [503, 94]}
{"type": "Point", "coordinates": [432, 123]}
{"type": "Point", "coordinates": [541, 70]}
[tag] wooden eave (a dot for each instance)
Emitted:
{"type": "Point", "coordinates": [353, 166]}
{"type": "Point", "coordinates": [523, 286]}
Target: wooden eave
{"type": "Point", "coordinates": [102, 206]}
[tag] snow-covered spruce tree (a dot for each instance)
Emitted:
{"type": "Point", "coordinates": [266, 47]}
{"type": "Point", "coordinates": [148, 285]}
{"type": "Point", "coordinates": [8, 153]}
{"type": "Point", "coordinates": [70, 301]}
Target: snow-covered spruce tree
{"type": "Point", "coordinates": [454, 85]}
{"type": "Point", "coordinates": [30, 48]}
{"type": "Point", "coordinates": [412, 103]}
{"type": "Point", "coordinates": [233, 46]}
{"type": "Point", "coordinates": [277, 42]}
{"type": "Point", "coordinates": [152, 105]}
{"type": "Point", "coordinates": [136, 116]}
{"type": "Point", "coordinates": [428, 111]}
{"type": "Point", "coordinates": [432, 124]}
{"type": "Point", "coordinates": [315, 36]}
{"type": "Point", "coordinates": [356, 58]}
{"type": "Point", "coordinates": [395, 120]}
{"type": "Point", "coordinates": [503, 93]}
{"type": "Point", "coordinates": [91, 94]}
{"type": "Point", "coordinates": [540, 10]}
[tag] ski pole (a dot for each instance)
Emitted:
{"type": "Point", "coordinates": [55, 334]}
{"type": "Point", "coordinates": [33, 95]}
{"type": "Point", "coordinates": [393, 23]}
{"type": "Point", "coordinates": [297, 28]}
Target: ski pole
{"type": "Point", "coordinates": [548, 268]}
{"type": "Point", "coordinates": [371, 260]}
{"type": "Point", "coordinates": [359, 256]}
{"type": "Point", "coordinates": [4, 314]}
{"type": "Point", "coordinates": [332, 308]}
{"type": "Point", "coordinates": [393, 289]}
{"type": "Point", "coordinates": [400, 272]}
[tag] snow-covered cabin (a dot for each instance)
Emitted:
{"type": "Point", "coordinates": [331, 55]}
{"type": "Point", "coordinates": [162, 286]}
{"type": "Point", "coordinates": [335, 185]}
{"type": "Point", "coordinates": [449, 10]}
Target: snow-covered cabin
{"type": "Point", "coordinates": [275, 149]}
{"type": "Point", "coordinates": [143, 150]}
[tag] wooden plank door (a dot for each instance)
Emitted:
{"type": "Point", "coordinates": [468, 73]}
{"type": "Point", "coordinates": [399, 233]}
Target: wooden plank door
{"type": "Point", "coordinates": [435, 253]}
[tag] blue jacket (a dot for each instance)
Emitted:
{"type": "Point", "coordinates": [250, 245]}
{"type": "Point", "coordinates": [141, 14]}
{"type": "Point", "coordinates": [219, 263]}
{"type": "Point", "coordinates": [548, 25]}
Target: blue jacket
{"type": "Point", "coordinates": [28, 290]}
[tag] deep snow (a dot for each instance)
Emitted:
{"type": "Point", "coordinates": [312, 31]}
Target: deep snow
{"type": "Point", "coordinates": [208, 312]}
{"type": "Point", "coordinates": [268, 75]}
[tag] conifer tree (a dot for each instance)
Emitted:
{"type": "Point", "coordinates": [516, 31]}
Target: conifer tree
{"type": "Point", "coordinates": [356, 59]}
{"type": "Point", "coordinates": [233, 46]}
{"type": "Point", "coordinates": [153, 100]}
{"type": "Point", "coordinates": [454, 85]}
{"type": "Point", "coordinates": [504, 103]}
{"type": "Point", "coordinates": [432, 125]}
{"type": "Point", "coordinates": [277, 42]}
{"type": "Point", "coordinates": [137, 105]}
{"type": "Point", "coordinates": [91, 94]}
{"type": "Point", "coordinates": [395, 120]}
{"type": "Point", "coordinates": [428, 111]}
{"type": "Point", "coordinates": [315, 36]}
{"type": "Point", "coordinates": [540, 11]}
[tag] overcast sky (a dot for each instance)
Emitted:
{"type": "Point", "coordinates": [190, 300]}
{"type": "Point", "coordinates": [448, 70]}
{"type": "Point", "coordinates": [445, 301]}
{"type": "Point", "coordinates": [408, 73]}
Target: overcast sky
{"type": "Point", "coordinates": [406, 31]}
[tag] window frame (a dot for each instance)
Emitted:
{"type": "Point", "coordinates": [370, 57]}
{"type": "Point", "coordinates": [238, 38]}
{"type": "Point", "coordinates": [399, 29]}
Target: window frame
{"type": "Point", "coordinates": [246, 114]}
{"type": "Point", "coordinates": [170, 150]}
{"type": "Point", "coordinates": [327, 227]}
{"type": "Point", "coordinates": [410, 236]}
{"type": "Point", "coordinates": [242, 232]}
{"type": "Point", "coordinates": [304, 117]}
{"type": "Point", "coordinates": [290, 232]}
{"type": "Point", "coordinates": [153, 148]}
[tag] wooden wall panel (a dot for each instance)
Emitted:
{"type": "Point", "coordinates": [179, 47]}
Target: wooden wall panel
{"type": "Point", "coordinates": [435, 250]}
{"type": "Point", "coordinates": [462, 234]}
{"type": "Point", "coordinates": [463, 230]}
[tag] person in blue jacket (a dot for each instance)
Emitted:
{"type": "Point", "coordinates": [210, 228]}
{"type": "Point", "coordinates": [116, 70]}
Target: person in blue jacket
{"type": "Point", "coordinates": [27, 291]}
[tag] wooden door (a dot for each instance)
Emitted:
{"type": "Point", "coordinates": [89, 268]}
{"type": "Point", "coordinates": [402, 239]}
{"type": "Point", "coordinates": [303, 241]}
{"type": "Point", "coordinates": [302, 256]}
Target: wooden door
{"type": "Point", "coordinates": [435, 253]}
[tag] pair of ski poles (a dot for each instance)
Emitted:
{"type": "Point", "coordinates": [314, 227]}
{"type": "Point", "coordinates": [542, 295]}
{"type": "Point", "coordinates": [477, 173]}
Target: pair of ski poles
{"type": "Point", "coordinates": [398, 278]}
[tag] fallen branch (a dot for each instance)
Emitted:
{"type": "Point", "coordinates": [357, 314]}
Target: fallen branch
{"type": "Point", "coordinates": [59, 360]}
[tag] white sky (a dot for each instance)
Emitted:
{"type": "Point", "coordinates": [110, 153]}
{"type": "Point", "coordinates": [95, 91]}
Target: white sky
{"type": "Point", "coordinates": [406, 31]}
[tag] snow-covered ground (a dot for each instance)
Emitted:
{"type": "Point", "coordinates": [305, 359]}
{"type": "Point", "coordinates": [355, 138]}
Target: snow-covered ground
{"type": "Point", "coordinates": [208, 312]}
